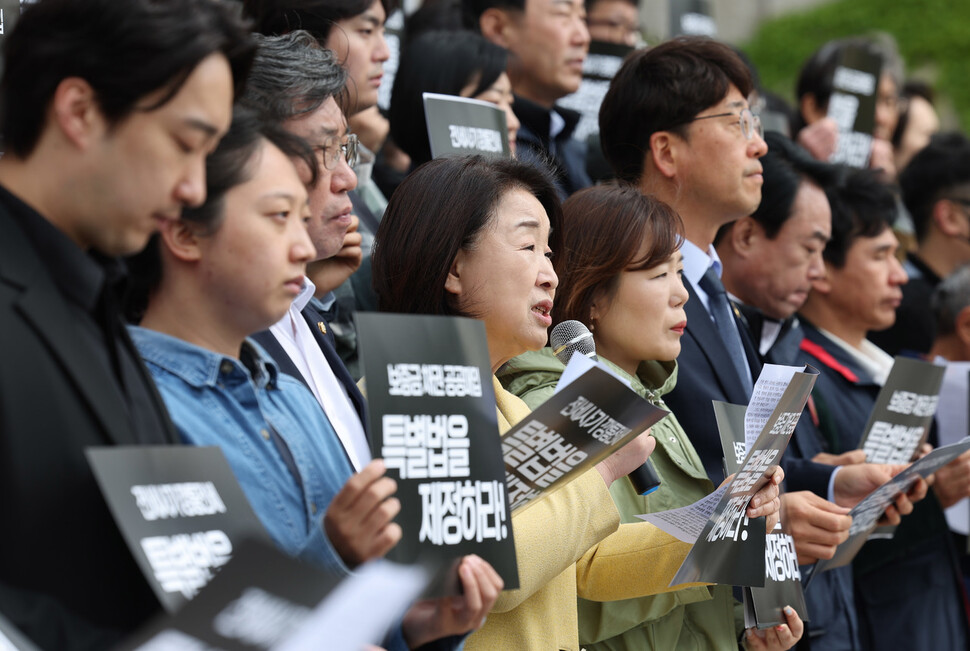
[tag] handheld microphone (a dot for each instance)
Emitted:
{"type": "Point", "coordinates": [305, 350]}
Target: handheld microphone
{"type": "Point", "coordinates": [571, 337]}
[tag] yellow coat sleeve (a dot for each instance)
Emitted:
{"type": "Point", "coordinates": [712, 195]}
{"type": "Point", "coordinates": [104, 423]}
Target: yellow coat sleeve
{"type": "Point", "coordinates": [635, 561]}
{"type": "Point", "coordinates": [556, 531]}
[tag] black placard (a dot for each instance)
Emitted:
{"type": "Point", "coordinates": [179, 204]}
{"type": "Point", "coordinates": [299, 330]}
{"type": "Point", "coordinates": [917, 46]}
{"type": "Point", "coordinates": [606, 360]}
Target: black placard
{"type": "Point", "coordinates": [460, 126]}
{"type": "Point", "coordinates": [692, 18]}
{"type": "Point", "coordinates": [904, 410]}
{"type": "Point", "coordinates": [600, 66]}
{"type": "Point", "coordinates": [866, 513]}
{"type": "Point", "coordinates": [579, 426]}
{"type": "Point", "coordinates": [730, 548]}
{"type": "Point", "coordinates": [179, 508]}
{"type": "Point", "coordinates": [432, 412]}
{"type": "Point", "coordinates": [852, 105]}
{"type": "Point", "coordinates": [763, 607]}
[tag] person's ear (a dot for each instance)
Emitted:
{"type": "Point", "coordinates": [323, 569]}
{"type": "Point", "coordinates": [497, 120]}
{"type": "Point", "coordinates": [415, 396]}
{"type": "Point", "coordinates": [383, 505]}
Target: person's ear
{"type": "Point", "coordinates": [664, 153]}
{"type": "Point", "coordinates": [453, 279]}
{"type": "Point", "coordinates": [962, 328]}
{"type": "Point", "coordinates": [810, 109]}
{"type": "Point", "coordinates": [181, 239]}
{"type": "Point", "coordinates": [823, 284]}
{"type": "Point", "coordinates": [949, 218]}
{"type": "Point", "coordinates": [745, 233]}
{"type": "Point", "coordinates": [496, 25]}
{"type": "Point", "coordinates": [76, 112]}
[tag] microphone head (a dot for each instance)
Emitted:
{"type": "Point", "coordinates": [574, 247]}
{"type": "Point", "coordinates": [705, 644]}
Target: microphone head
{"type": "Point", "coordinates": [569, 337]}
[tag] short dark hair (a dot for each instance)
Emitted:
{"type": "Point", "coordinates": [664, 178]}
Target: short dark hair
{"type": "Point", "coordinates": [940, 167]}
{"type": "Point", "coordinates": [438, 62]}
{"type": "Point", "coordinates": [292, 75]}
{"type": "Point", "coordinates": [863, 205]}
{"type": "Point", "coordinates": [231, 164]}
{"type": "Point", "coordinates": [785, 167]}
{"type": "Point", "coordinates": [950, 298]}
{"type": "Point", "coordinates": [603, 230]}
{"type": "Point", "coordinates": [125, 49]}
{"type": "Point", "coordinates": [472, 10]}
{"type": "Point", "coordinates": [661, 89]}
{"type": "Point", "coordinates": [433, 16]}
{"type": "Point", "coordinates": [275, 17]}
{"type": "Point", "coordinates": [818, 71]}
{"type": "Point", "coordinates": [441, 208]}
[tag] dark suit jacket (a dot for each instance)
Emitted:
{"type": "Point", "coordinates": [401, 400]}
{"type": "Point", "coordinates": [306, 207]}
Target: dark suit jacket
{"type": "Point", "coordinates": [906, 588]}
{"type": "Point", "coordinates": [327, 345]}
{"type": "Point", "coordinates": [59, 542]}
{"type": "Point", "coordinates": [705, 373]}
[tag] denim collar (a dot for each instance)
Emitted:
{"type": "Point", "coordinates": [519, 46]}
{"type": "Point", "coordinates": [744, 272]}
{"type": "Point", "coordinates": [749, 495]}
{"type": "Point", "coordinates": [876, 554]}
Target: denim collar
{"type": "Point", "coordinates": [199, 367]}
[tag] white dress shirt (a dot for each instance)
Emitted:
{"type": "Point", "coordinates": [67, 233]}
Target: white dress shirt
{"type": "Point", "coordinates": [294, 335]}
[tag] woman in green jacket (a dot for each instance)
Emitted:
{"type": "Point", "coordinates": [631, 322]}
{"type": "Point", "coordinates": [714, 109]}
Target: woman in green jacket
{"type": "Point", "coordinates": [620, 275]}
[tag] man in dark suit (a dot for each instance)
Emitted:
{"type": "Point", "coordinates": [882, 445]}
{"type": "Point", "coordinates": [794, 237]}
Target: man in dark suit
{"type": "Point", "coordinates": [303, 80]}
{"type": "Point", "coordinates": [98, 149]}
{"type": "Point", "coordinates": [676, 123]}
{"type": "Point", "coordinates": [906, 588]}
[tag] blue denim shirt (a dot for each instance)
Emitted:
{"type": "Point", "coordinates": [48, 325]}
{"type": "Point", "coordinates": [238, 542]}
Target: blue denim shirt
{"type": "Point", "coordinates": [217, 400]}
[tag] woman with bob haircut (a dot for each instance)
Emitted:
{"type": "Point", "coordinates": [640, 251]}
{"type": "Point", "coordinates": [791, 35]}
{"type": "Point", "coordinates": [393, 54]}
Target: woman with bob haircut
{"type": "Point", "coordinates": [621, 276]}
{"type": "Point", "coordinates": [483, 248]}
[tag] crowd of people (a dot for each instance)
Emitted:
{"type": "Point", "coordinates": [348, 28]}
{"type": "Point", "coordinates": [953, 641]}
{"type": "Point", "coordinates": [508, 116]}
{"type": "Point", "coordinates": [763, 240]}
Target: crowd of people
{"type": "Point", "coordinates": [196, 195]}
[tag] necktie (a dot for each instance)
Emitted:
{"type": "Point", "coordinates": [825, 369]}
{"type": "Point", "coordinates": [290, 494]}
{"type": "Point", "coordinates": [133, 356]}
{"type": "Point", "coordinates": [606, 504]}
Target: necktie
{"type": "Point", "coordinates": [726, 326]}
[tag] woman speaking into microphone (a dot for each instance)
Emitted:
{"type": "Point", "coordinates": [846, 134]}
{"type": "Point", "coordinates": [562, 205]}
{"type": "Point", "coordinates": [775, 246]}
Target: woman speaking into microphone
{"type": "Point", "coordinates": [620, 272]}
{"type": "Point", "coordinates": [474, 237]}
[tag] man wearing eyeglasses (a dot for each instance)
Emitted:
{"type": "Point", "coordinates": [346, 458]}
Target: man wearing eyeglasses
{"type": "Point", "coordinates": [676, 122]}
{"type": "Point", "coordinates": [936, 191]}
{"type": "Point", "coordinates": [294, 82]}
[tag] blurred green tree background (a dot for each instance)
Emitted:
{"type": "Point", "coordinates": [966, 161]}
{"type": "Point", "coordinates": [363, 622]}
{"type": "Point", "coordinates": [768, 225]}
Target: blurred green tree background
{"type": "Point", "coordinates": [933, 38]}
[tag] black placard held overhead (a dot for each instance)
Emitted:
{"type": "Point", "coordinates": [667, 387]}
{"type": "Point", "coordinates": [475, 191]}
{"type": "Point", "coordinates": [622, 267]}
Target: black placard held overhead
{"type": "Point", "coordinates": [459, 126]}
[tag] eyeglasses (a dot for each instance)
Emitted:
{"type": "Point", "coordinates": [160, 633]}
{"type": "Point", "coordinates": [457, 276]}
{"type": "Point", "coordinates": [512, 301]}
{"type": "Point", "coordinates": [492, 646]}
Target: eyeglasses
{"type": "Point", "coordinates": [750, 122]}
{"type": "Point", "coordinates": [334, 150]}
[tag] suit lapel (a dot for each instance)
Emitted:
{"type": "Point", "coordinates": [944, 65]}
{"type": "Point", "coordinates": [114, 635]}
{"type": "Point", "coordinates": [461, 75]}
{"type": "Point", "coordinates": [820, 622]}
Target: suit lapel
{"type": "Point", "coordinates": [44, 308]}
{"type": "Point", "coordinates": [313, 319]}
{"type": "Point", "coordinates": [268, 341]}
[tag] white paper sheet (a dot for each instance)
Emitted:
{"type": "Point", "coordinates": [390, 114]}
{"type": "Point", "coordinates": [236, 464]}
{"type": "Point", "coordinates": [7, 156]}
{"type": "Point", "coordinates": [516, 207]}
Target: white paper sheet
{"type": "Point", "coordinates": [771, 384]}
{"type": "Point", "coordinates": [686, 523]}
{"type": "Point", "coordinates": [360, 610]}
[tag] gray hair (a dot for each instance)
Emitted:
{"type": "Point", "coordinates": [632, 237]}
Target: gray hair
{"type": "Point", "coordinates": [292, 75]}
{"type": "Point", "coordinates": [949, 299]}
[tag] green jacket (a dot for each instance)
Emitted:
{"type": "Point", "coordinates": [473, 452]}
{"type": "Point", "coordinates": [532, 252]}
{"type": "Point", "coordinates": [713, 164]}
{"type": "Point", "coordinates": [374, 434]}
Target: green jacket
{"type": "Point", "coordinates": [693, 619]}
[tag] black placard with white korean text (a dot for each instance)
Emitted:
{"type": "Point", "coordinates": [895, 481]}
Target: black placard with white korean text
{"type": "Point", "coordinates": [730, 548]}
{"type": "Point", "coordinates": [585, 422]}
{"type": "Point", "coordinates": [866, 513]}
{"type": "Point", "coordinates": [432, 412]}
{"type": "Point", "coordinates": [903, 412]}
{"type": "Point", "coordinates": [763, 607]}
{"type": "Point", "coordinates": [600, 66]}
{"type": "Point", "coordinates": [692, 18]}
{"type": "Point", "coordinates": [460, 126]}
{"type": "Point", "coordinates": [180, 509]}
{"type": "Point", "coordinates": [852, 105]}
